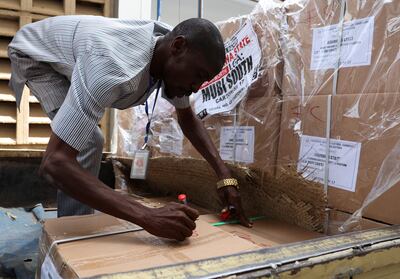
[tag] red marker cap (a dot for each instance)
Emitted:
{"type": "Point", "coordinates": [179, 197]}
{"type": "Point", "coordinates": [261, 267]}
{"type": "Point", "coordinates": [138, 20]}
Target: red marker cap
{"type": "Point", "coordinates": [225, 214]}
{"type": "Point", "coordinates": [182, 198]}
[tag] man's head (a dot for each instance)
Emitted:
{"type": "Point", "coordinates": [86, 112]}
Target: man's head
{"type": "Point", "coordinates": [195, 53]}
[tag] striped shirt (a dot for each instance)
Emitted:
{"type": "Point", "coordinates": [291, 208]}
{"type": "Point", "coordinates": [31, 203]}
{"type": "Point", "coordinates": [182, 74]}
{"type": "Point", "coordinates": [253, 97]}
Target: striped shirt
{"type": "Point", "coordinates": [107, 62]}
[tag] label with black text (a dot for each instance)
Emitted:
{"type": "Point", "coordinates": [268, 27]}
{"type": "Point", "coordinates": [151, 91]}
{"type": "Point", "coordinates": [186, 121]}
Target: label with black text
{"type": "Point", "coordinates": [344, 157]}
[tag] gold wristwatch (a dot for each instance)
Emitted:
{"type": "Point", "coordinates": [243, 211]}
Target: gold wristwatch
{"type": "Point", "coordinates": [227, 182]}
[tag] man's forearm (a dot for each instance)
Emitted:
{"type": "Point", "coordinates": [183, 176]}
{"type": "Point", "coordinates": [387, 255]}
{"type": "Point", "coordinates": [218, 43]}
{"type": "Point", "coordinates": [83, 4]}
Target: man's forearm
{"type": "Point", "coordinates": [195, 131]}
{"type": "Point", "coordinates": [69, 177]}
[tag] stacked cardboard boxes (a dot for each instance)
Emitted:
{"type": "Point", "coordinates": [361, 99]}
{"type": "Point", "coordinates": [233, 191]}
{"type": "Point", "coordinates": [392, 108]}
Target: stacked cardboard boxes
{"type": "Point", "coordinates": [364, 130]}
{"type": "Point", "coordinates": [369, 61]}
{"type": "Point", "coordinates": [346, 92]}
{"type": "Point", "coordinates": [339, 82]}
{"type": "Point", "coordinates": [248, 136]}
{"type": "Point", "coordinates": [342, 111]}
{"type": "Point", "coordinates": [254, 122]}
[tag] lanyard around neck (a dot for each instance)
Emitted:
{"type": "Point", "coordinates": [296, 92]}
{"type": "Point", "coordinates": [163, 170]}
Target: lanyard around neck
{"type": "Point", "coordinates": [150, 117]}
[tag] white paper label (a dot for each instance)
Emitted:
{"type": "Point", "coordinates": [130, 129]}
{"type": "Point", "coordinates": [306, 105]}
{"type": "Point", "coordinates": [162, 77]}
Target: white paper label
{"type": "Point", "coordinates": [140, 164]}
{"type": "Point", "coordinates": [355, 49]}
{"type": "Point", "coordinates": [48, 270]}
{"type": "Point", "coordinates": [344, 157]}
{"type": "Point", "coordinates": [224, 91]}
{"type": "Point", "coordinates": [243, 138]}
{"type": "Point", "coordinates": [171, 140]}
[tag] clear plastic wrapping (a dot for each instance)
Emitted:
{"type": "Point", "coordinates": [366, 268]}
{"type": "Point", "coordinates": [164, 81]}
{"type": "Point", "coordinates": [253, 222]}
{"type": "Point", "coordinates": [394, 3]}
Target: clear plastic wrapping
{"type": "Point", "coordinates": [317, 64]}
{"type": "Point", "coordinates": [341, 103]}
{"type": "Point", "coordinates": [256, 117]}
{"type": "Point", "coordinates": [131, 128]}
{"type": "Point", "coordinates": [324, 101]}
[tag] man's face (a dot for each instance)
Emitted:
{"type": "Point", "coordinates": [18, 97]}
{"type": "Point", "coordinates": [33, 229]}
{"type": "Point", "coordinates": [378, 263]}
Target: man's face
{"type": "Point", "coordinates": [185, 70]}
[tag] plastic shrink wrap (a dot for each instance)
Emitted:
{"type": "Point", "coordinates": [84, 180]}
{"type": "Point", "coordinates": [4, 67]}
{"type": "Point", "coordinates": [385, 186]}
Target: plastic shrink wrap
{"type": "Point", "coordinates": [341, 104]}
{"type": "Point", "coordinates": [310, 86]}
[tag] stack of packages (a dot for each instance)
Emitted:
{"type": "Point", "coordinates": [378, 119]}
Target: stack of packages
{"type": "Point", "coordinates": [310, 86]}
{"type": "Point", "coordinates": [341, 102]}
{"type": "Point", "coordinates": [243, 100]}
{"type": "Point", "coordinates": [306, 82]}
{"type": "Point", "coordinates": [241, 107]}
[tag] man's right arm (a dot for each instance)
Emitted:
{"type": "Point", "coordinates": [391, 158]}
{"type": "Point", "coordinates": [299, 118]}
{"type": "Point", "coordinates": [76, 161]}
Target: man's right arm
{"type": "Point", "coordinates": [60, 167]}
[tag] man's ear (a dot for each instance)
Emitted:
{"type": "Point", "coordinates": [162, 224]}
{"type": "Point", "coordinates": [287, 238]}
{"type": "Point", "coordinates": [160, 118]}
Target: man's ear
{"type": "Point", "coordinates": [178, 45]}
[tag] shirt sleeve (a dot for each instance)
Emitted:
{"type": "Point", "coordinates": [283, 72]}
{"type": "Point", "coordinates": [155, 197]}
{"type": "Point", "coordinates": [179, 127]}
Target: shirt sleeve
{"type": "Point", "coordinates": [94, 86]}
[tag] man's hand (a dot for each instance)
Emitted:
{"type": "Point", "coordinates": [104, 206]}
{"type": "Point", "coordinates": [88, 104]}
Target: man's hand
{"type": "Point", "coordinates": [194, 130]}
{"type": "Point", "coordinates": [230, 196]}
{"type": "Point", "coordinates": [174, 221]}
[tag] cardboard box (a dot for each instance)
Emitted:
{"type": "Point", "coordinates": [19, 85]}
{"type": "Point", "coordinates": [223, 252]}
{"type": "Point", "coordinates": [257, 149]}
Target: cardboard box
{"type": "Point", "coordinates": [266, 21]}
{"type": "Point", "coordinates": [125, 251]}
{"type": "Point", "coordinates": [370, 51]}
{"type": "Point", "coordinates": [265, 232]}
{"type": "Point", "coordinates": [368, 121]}
{"type": "Point", "coordinates": [261, 116]}
{"type": "Point", "coordinates": [139, 250]}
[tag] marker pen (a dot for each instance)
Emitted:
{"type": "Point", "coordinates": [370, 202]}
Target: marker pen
{"type": "Point", "coordinates": [182, 199]}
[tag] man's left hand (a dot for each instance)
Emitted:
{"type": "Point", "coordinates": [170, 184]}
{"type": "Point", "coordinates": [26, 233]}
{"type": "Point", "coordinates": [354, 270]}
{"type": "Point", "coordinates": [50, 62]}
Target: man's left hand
{"type": "Point", "coordinates": [230, 196]}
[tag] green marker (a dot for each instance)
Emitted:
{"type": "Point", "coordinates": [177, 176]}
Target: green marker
{"type": "Point", "coordinates": [236, 221]}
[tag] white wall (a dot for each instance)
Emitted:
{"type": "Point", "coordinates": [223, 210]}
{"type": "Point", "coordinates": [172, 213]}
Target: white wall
{"type": "Point", "coordinates": [175, 11]}
{"type": "Point", "coordinates": [218, 10]}
{"type": "Point", "coordinates": [129, 9]}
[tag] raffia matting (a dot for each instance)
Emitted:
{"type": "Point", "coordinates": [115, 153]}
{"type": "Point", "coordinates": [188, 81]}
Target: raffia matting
{"type": "Point", "coordinates": [287, 197]}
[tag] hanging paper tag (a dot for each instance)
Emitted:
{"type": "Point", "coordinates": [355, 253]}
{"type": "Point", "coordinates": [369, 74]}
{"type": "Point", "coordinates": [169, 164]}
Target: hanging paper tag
{"type": "Point", "coordinates": [140, 164]}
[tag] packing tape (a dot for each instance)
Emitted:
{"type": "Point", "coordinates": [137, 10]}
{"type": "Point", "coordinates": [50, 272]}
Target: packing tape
{"type": "Point", "coordinates": [327, 153]}
{"type": "Point", "coordinates": [328, 140]}
{"type": "Point", "coordinates": [234, 133]}
{"type": "Point", "coordinates": [329, 106]}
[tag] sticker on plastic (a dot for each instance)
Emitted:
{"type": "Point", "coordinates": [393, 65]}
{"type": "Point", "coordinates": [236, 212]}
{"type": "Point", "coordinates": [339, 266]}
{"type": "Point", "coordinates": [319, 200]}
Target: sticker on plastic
{"type": "Point", "coordinates": [243, 138]}
{"type": "Point", "coordinates": [48, 270]}
{"type": "Point", "coordinates": [171, 140]}
{"type": "Point", "coordinates": [224, 91]}
{"type": "Point", "coordinates": [355, 48]}
{"type": "Point", "coordinates": [344, 157]}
